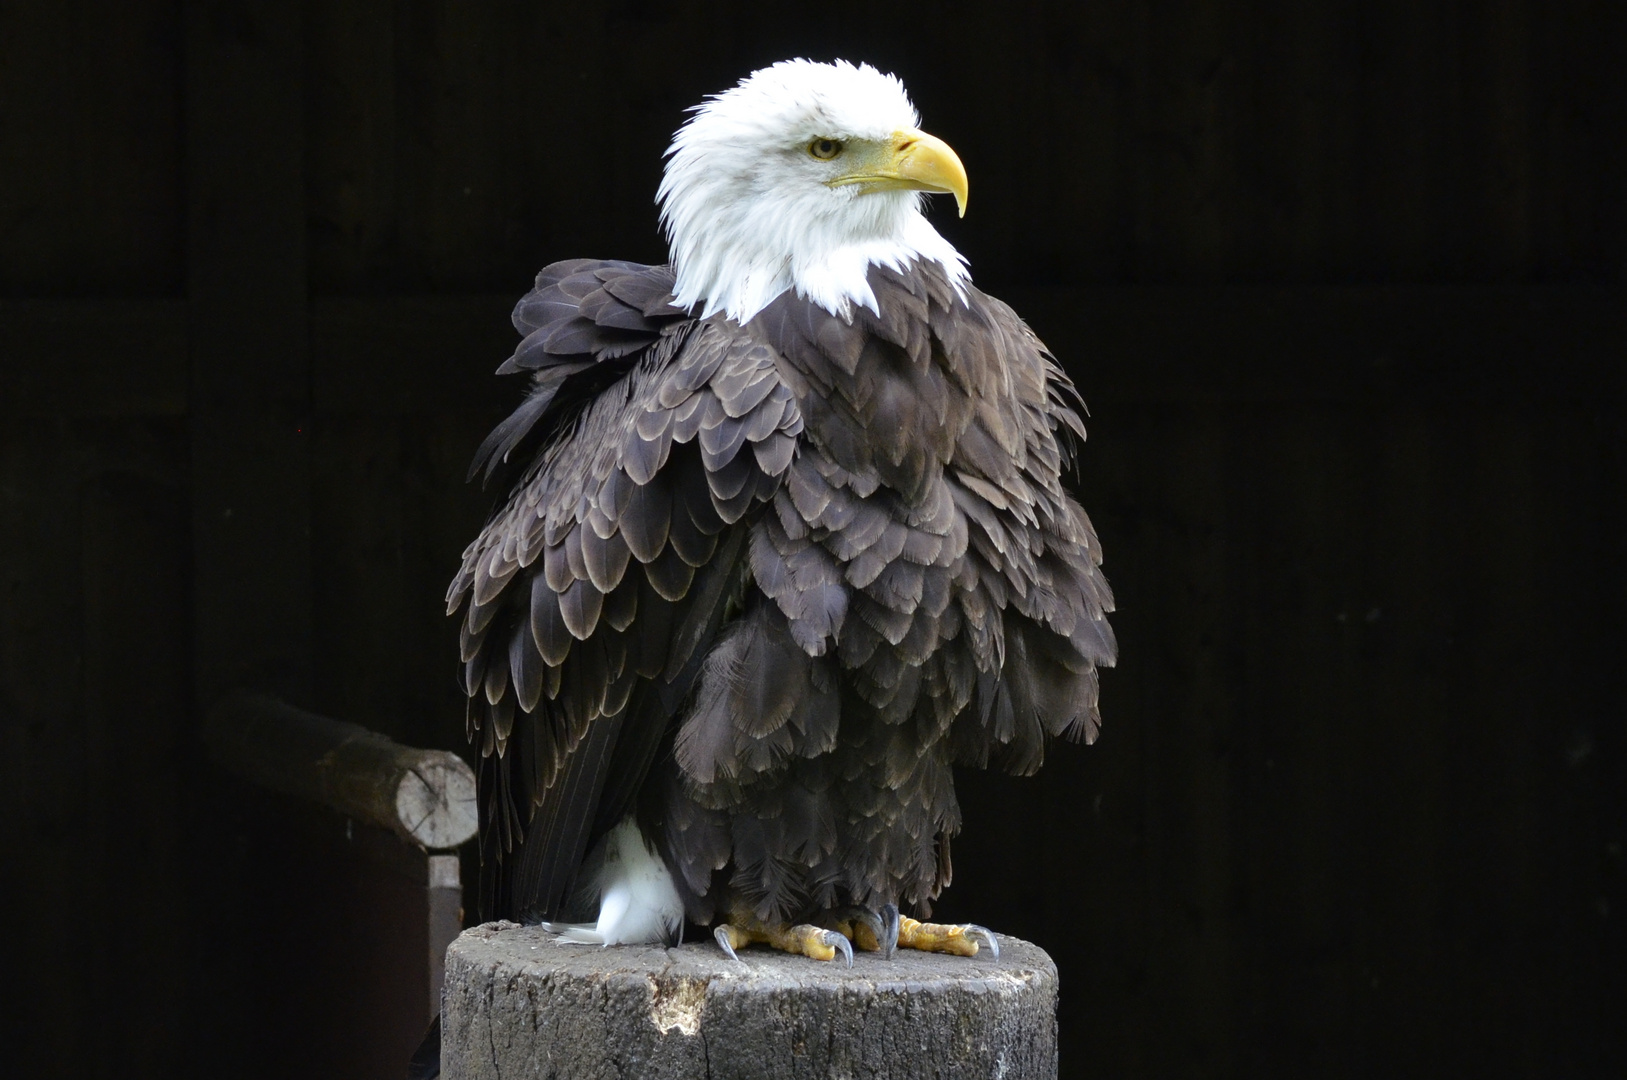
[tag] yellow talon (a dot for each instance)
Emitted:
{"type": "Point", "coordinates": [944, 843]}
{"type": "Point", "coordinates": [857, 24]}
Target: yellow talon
{"type": "Point", "coordinates": [937, 937]}
{"type": "Point", "coordinates": [813, 942]}
{"type": "Point", "coordinates": [732, 938]}
{"type": "Point", "coordinates": [864, 929]}
{"type": "Point", "coordinates": [849, 927]}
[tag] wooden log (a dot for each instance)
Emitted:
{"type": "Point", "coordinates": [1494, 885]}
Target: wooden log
{"type": "Point", "coordinates": [517, 1002]}
{"type": "Point", "coordinates": [424, 796]}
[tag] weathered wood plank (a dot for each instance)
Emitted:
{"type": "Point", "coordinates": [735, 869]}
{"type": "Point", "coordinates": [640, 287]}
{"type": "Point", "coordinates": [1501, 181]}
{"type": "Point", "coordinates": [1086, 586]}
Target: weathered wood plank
{"type": "Point", "coordinates": [94, 694]}
{"type": "Point", "coordinates": [249, 360]}
{"type": "Point", "coordinates": [412, 355]}
{"type": "Point", "coordinates": [132, 770]}
{"type": "Point", "coordinates": [90, 170]}
{"type": "Point", "coordinates": [93, 357]}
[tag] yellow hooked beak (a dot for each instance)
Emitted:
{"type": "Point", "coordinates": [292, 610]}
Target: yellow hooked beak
{"type": "Point", "coordinates": [911, 160]}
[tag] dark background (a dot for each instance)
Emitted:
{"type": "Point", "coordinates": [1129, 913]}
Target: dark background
{"type": "Point", "coordinates": [1341, 282]}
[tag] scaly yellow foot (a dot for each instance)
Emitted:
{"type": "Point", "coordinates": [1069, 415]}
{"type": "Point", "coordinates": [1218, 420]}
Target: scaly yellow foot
{"type": "Point", "coordinates": [814, 942]}
{"type": "Point", "coordinates": [866, 929]}
{"type": "Point", "coordinates": [937, 937]}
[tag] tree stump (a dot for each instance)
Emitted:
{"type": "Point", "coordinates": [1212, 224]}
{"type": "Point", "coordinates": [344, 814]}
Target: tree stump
{"type": "Point", "coordinates": [519, 1003]}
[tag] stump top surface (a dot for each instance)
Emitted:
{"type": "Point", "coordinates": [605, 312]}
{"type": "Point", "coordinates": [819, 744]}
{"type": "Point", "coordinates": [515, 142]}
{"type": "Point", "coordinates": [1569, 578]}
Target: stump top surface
{"type": "Point", "coordinates": [532, 952]}
{"type": "Point", "coordinates": [518, 1002]}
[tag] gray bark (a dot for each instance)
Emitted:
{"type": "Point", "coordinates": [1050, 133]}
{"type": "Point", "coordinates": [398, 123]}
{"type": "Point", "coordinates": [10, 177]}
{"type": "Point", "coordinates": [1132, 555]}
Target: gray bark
{"type": "Point", "coordinates": [519, 1004]}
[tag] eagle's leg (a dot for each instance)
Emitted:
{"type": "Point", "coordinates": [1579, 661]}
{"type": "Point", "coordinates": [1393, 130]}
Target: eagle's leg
{"type": "Point", "coordinates": [937, 937]}
{"type": "Point", "coordinates": [814, 942]}
{"type": "Point", "coordinates": [866, 929]}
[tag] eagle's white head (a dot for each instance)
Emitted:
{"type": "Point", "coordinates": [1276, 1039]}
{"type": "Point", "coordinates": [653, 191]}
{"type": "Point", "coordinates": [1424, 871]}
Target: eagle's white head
{"type": "Point", "coordinates": [802, 177]}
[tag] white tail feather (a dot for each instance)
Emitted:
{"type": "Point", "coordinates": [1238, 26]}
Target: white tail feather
{"type": "Point", "coordinates": [575, 933]}
{"type": "Point", "coordinates": [638, 903]}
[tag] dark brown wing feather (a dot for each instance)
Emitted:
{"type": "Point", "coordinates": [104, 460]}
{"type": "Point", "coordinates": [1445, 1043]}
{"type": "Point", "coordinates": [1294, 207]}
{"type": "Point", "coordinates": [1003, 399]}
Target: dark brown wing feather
{"type": "Point", "coordinates": [585, 612]}
{"type": "Point", "coordinates": [584, 324]}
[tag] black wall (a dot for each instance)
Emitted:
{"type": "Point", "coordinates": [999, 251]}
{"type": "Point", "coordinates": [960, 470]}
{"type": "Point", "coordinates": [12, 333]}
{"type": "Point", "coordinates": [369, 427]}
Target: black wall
{"type": "Point", "coordinates": [1341, 283]}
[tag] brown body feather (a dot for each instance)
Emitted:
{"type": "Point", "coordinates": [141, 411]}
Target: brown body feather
{"type": "Point", "coordinates": [766, 585]}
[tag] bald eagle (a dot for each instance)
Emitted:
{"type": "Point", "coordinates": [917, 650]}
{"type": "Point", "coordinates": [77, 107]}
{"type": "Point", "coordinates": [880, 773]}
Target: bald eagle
{"type": "Point", "coordinates": [785, 542]}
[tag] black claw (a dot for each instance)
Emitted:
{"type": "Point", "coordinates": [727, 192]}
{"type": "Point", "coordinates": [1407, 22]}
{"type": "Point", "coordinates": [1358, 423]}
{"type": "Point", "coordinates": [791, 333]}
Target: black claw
{"type": "Point", "coordinates": [988, 938]}
{"type": "Point", "coordinates": [722, 936]}
{"type": "Point", "coordinates": [854, 915]}
{"type": "Point", "coordinates": [889, 939]}
{"type": "Point", "coordinates": [840, 944]}
{"type": "Point", "coordinates": [878, 929]}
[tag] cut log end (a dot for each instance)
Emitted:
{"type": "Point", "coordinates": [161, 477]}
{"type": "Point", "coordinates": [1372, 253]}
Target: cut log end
{"type": "Point", "coordinates": [425, 796]}
{"type": "Point", "coordinates": [517, 1002]}
{"type": "Point", "coordinates": [435, 800]}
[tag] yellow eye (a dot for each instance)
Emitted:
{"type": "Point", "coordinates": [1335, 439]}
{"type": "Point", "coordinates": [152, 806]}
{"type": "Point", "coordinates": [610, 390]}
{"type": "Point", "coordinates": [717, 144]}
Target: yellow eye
{"type": "Point", "coordinates": [824, 149]}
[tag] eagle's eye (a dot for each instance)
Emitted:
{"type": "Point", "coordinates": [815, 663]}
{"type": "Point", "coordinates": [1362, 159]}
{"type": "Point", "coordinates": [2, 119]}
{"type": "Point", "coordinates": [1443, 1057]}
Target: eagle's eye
{"type": "Point", "coordinates": [825, 149]}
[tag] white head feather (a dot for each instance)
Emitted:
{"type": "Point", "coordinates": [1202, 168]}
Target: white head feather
{"type": "Point", "coordinates": [748, 212]}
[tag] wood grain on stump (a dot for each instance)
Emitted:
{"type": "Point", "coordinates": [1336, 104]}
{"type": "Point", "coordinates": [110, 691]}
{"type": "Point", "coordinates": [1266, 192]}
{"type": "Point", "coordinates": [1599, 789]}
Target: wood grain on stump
{"type": "Point", "coordinates": [517, 1003]}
